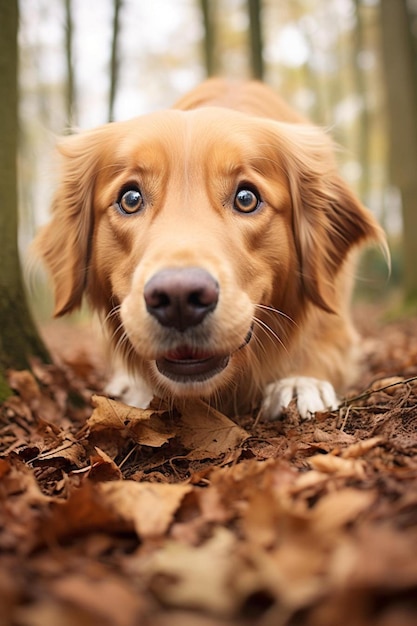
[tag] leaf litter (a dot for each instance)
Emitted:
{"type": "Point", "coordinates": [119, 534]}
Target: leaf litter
{"type": "Point", "coordinates": [119, 516]}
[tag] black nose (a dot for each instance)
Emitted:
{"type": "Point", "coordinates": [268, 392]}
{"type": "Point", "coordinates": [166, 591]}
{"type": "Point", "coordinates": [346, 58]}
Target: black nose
{"type": "Point", "coordinates": [181, 298]}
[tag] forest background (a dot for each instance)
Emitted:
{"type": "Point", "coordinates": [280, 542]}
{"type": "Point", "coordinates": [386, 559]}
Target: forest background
{"type": "Point", "coordinates": [349, 65]}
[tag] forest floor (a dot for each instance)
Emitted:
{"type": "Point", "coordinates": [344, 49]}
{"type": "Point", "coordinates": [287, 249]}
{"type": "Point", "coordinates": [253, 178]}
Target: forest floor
{"type": "Point", "coordinates": [114, 516]}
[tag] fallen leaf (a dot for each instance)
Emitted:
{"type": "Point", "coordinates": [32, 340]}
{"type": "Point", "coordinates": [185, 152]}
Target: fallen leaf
{"type": "Point", "coordinates": [197, 577]}
{"type": "Point", "coordinates": [69, 450]}
{"type": "Point", "coordinates": [144, 426]}
{"type": "Point", "coordinates": [84, 511]}
{"type": "Point", "coordinates": [361, 447]}
{"type": "Point", "coordinates": [103, 467]}
{"type": "Point", "coordinates": [331, 464]}
{"type": "Point", "coordinates": [207, 433]}
{"type": "Point", "coordinates": [21, 504]}
{"type": "Point", "coordinates": [108, 600]}
{"type": "Point", "coordinates": [24, 383]}
{"type": "Point", "coordinates": [148, 507]}
{"type": "Point", "coordinates": [338, 508]}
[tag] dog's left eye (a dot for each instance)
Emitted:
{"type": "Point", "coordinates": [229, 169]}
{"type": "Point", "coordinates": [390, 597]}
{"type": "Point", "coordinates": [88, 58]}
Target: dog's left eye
{"type": "Point", "coordinates": [246, 200]}
{"type": "Point", "coordinates": [131, 201]}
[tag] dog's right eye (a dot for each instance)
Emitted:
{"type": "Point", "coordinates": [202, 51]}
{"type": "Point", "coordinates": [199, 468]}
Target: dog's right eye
{"type": "Point", "coordinates": [246, 200]}
{"type": "Point", "coordinates": [131, 201]}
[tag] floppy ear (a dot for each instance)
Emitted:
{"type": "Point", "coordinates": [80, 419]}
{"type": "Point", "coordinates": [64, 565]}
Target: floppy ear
{"type": "Point", "coordinates": [328, 220]}
{"type": "Point", "coordinates": [64, 243]}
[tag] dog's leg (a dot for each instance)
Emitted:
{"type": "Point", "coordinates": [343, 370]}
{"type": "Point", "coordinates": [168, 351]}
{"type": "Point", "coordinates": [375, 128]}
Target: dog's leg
{"type": "Point", "coordinates": [129, 389]}
{"type": "Point", "coordinates": [311, 395]}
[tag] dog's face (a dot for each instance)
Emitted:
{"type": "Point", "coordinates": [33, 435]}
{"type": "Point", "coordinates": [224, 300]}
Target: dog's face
{"type": "Point", "coordinates": [183, 227]}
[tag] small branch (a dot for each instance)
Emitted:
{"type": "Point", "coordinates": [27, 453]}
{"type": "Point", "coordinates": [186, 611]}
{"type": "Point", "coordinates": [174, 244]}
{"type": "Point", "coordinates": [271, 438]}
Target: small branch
{"type": "Point", "coordinates": [366, 394]}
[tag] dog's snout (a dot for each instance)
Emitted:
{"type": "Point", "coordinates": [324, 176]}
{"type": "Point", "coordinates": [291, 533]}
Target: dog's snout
{"type": "Point", "coordinates": [181, 298]}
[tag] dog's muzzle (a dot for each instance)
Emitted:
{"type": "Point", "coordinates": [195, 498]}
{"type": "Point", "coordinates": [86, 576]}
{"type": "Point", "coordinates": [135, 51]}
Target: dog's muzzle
{"type": "Point", "coordinates": [181, 299]}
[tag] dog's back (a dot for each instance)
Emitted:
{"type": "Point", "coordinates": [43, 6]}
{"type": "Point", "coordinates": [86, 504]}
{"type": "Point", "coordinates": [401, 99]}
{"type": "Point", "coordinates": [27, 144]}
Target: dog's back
{"type": "Point", "coordinates": [251, 97]}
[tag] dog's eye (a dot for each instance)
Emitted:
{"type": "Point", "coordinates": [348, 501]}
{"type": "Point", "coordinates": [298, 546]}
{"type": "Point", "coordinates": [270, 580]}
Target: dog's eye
{"type": "Point", "coordinates": [246, 201]}
{"type": "Point", "coordinates": [131, 201]}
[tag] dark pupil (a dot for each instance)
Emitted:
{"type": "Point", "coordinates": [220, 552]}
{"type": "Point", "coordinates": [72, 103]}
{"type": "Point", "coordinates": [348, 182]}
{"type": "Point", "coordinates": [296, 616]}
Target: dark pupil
{"type": "Point", "coordinates": [131, 199]}
{"type": "Point", "coordinates": [245, 198]}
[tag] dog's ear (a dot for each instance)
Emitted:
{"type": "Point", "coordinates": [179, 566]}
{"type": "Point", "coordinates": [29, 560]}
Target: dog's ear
{"type": "Point", "coordinates": [64, 243]}
{"type": "Point", "coordinates": [328, 220]}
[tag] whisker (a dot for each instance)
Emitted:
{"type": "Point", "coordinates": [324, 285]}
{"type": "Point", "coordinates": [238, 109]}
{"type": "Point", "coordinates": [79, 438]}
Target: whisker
{"type": "Point", "coordinates": [270, 333]}
{"type": "Point", "coordinates": [272, 309]}
{"type": "Point", "coordinates": [122, 343]}
{"type": "Point", "coordinates": [112, 313]}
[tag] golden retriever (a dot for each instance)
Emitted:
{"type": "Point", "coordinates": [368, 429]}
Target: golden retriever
{"type": "Point", "coordinates": [215, 239]}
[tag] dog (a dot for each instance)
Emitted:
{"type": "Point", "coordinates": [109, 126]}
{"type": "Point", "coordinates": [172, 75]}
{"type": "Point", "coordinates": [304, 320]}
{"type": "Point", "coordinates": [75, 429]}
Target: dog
{"type": "Point", "coordinates": [217, 240]}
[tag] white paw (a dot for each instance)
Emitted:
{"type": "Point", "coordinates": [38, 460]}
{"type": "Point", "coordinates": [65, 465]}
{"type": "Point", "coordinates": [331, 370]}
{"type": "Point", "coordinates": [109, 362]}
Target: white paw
{"type": "Point", "coordinates": [312, 396]}
{"type": "Point", "coordinates": [129, 389]}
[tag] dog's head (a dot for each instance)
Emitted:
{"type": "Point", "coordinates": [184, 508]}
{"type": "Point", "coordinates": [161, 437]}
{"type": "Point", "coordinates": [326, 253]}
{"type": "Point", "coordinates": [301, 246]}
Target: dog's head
{"type": "Point", "coordinates": [183, 228]}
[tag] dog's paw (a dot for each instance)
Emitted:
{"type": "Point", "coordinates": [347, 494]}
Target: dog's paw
{"type": "Point", "coordinates": [129, 389]}
{"type": "Point", "coordinates": [312, 396]}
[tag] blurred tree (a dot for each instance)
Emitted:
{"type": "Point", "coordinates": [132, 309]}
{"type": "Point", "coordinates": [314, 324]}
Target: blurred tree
{"type": "Point", "coordinates": [19, 339]}
{"type": "Point", "coordinates": [70, 92]}
{"type": "Point", "coordinates": [256, 41]}
{"type": "Point", "coordinates": [114, 59]}
{"type": "Point", "coordinates": [209, 39]}
{"type": "Point", "coordinates": [400, 65]}
{"type": "Point", "coordinates": [361, 88]}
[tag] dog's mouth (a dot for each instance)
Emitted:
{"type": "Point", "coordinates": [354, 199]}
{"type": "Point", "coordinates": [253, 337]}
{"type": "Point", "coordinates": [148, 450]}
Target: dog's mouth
{"type": "Point", "coordinates": [186, 364]}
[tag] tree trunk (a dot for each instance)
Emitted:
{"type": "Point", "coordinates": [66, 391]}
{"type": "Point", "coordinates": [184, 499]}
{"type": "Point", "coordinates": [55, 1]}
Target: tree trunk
{"type": "Point", "coordinates": [256, 42]}
{"type": "Point", "coordinates": [209, 43]}
{"type": "Point", "coordinates": [114, 59]}
{"type": "Point", "coordinates": [364, 122]}
{"type": "Point", "coordinates": [70, 95]}
{"type": "Point", "coordinates": [19, 339]}
{"type": "Point", "coordinates": [401, 79]}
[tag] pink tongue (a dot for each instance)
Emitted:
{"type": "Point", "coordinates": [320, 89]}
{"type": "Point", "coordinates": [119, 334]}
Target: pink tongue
{"type": "Point", "coordinates": [187, 354]}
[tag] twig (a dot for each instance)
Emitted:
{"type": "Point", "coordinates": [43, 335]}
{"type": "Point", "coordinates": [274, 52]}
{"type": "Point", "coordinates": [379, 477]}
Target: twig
{"type": "Point", "coordinates": [342, 428]}
{"type": "Point", "coordinates": [366, 394]}
{"type": "Point", "coordinates": [128, 455]}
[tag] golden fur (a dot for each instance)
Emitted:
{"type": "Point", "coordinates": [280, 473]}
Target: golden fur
{"type": "Point", "coordinates": [283, 270]}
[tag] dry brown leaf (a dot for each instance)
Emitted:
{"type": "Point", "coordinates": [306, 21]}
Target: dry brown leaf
{"type": "Point", "coordinates": [298, 567]}
{"type": "Point", "coordinates": [148, 507]}
{"type": "Point", "coordinates": [336, 509]}
{"type": "Point", "coordinates": [207, 433]}
{"type": "Point", "coordinates": [33, 396]}
{"type": "Point", "coordinates": [387, 384]}
{"type": "Point", "coordinates": [26, 386]}
{"type": "Point", "coordinates": [103, 467]}
{"type": "Point", "coordinates": [110, 413]}
{"type": "Point", "coordinates": [361, 447]}
{"type": "Point", "coordinates": [332, 437]}
{"type": "Point", "coordinates": [201, 577]}
{"type": "Point", "coordinates": [108, 600]}
{"type": "Point", "coordinates": [294, 573]}
{"type": "Point", "coordinates": [308, 480]}
{"type": "Point", "coordinates": [48, 612]}
{"type": "Point", "coordinates": [261, 518]}
{"type": "Point", "coordinates": [84, 511]}
{"type": "Point", "coordinates": [4, 468]}
{"type": "Point", "coordinates": [330, 464]}
{"type": "Point", "coordinates": [144, 426]}
{"type": "Point", "coordinates": [21, 501]}
{"type": "Point", "coordinates": [69, 450]}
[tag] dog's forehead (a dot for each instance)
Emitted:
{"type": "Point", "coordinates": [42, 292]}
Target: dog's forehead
{"type": "Point", "coordinates": [220, 134]}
